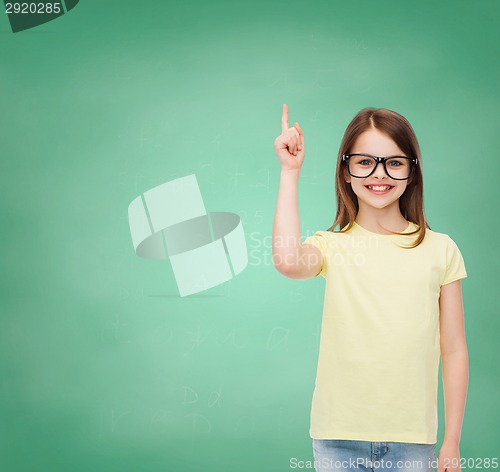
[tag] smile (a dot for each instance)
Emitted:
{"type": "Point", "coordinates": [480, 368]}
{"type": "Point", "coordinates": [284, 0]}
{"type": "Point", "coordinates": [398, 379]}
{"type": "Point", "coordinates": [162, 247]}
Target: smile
{"type": "Point", "coordinates": [379, 189]}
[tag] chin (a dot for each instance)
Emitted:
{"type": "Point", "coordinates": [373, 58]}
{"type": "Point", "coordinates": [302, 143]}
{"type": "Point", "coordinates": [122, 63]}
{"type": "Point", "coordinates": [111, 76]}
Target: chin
{"type": "Point", "coordinates": [378, 202]}
{"type": "Point", "coordinates": [378, 206]}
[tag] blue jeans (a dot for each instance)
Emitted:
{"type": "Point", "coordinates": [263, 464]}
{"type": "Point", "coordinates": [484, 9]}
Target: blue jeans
{"type": "Point", "coordinates": [343, 455]}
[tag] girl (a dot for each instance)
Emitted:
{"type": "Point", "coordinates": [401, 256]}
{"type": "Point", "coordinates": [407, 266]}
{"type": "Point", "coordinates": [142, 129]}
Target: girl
{"type": "Point", "coordinates": [392, 307]}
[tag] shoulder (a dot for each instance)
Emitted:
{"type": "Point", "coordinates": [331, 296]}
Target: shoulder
{"type": "Point", "coordinates": [324, 239]}
{"type": "Point", "coordinates": [330, 241]}
{"type": "Point", "coordinates": [332, 234]}
{"type": "Point", "coordinates": [329, 236]}
{"type": "Point", "coordinates": [437, 237]}
{"type": "Point", "coordinates": [441, 243]}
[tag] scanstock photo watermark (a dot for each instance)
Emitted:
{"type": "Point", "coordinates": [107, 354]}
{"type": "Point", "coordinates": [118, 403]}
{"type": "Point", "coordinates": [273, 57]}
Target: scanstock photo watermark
{"type": "Point", "coordinates": [339, 249]}
{"type": "Point", "coordinates": [26, 15]}
{"type": "Point", "coordinates": [328, 463]}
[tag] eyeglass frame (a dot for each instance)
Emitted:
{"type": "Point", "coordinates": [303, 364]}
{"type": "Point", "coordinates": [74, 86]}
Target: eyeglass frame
{"type": "Point", "coordinates": [346, 156]}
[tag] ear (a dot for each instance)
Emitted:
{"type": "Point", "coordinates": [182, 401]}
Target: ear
{"type": "Point", "coordinates": [347, 177]}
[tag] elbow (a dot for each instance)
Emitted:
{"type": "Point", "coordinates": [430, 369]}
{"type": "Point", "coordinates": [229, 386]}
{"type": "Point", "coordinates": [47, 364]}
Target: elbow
{"type": "Point", "coordinates": [290, 264]}
{"type": "Point", "coordinates": [284, 269]}
{"type": "Point", "coordinates": [457, 349]}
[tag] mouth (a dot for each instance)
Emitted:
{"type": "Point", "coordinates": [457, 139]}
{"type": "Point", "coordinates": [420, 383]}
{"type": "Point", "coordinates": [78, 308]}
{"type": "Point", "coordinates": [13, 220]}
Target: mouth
{"type": "Point", "coordinates": [379, 189]}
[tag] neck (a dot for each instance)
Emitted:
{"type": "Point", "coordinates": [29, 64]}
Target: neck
{"type": "Point", "coordinates": [376, 219]}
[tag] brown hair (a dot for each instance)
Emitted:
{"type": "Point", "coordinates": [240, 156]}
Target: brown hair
{"type": "Point", "coordinates": [400, 131]}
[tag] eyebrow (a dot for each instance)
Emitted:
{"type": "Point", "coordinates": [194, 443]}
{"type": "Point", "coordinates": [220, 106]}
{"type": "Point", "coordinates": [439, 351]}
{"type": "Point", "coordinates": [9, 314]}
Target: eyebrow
{"type": "Point", "coordinates": [375, 155]}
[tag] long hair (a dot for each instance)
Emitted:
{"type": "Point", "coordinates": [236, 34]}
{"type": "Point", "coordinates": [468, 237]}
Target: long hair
{"type": "Point", "coordinates": [400, 131]}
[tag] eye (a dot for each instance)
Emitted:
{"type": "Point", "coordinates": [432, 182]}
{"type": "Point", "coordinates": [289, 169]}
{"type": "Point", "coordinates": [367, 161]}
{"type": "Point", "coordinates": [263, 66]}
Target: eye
{"type": "Point", "coordinates": [397, 162]}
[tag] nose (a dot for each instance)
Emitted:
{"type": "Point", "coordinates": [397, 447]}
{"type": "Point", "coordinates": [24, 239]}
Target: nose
{"type": "Point", "coordinates": [379, 170]}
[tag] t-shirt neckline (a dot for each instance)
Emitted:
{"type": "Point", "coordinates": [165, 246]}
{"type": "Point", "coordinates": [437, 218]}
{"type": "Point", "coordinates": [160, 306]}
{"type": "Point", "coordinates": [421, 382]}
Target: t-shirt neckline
{"type": "Point", "coordinates": [408, 229]}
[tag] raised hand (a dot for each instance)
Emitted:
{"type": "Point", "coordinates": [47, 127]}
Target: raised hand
{"type": "Point", "coordinates": [289, 145]}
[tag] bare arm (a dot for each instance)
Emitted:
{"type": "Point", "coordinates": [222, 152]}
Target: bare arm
{"type": "Point", "coordinates": [290, 257]}
{"type": "Point", "coordinates": [455, 369]}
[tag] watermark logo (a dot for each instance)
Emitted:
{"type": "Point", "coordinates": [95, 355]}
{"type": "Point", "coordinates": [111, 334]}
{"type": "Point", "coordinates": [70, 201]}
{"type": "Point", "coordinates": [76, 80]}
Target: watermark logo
{"type": "Point", "coordinates": [26, 15]}
{"type": "Point", "coordinates": [205, 249]}
{"type": "Point", "coordinates": [339, 250]}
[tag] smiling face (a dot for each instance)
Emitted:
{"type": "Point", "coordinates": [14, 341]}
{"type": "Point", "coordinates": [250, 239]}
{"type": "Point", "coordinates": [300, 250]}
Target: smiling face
{"type": "Point", "coordinates": [378, 190]}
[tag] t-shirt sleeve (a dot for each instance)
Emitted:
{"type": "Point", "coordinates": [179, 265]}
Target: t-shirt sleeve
{"type": "Point", "coordinates": [319, 241]}
{"type": "Point", "coordinates": [455, 266]}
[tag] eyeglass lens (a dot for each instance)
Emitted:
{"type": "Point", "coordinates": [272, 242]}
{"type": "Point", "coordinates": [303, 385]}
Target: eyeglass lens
{"type": "Point", "coordinates": [362, 166]}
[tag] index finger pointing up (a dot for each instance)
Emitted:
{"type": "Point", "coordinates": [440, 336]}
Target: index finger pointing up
{"type": "Point", "coordinates": [284, 119]}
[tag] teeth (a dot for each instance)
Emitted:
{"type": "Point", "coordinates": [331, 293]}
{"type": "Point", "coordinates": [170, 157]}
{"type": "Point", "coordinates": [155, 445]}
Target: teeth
{"type": "Point", "coordinates": [379, 187]}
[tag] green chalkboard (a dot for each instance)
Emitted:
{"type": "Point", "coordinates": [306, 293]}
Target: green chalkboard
{"type": "Point", "coordinates": [103, 365]}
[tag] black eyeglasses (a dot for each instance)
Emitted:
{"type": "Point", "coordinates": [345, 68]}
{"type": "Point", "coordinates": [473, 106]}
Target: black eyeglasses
{"type": "Point", "coordinates": [364, 165]}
